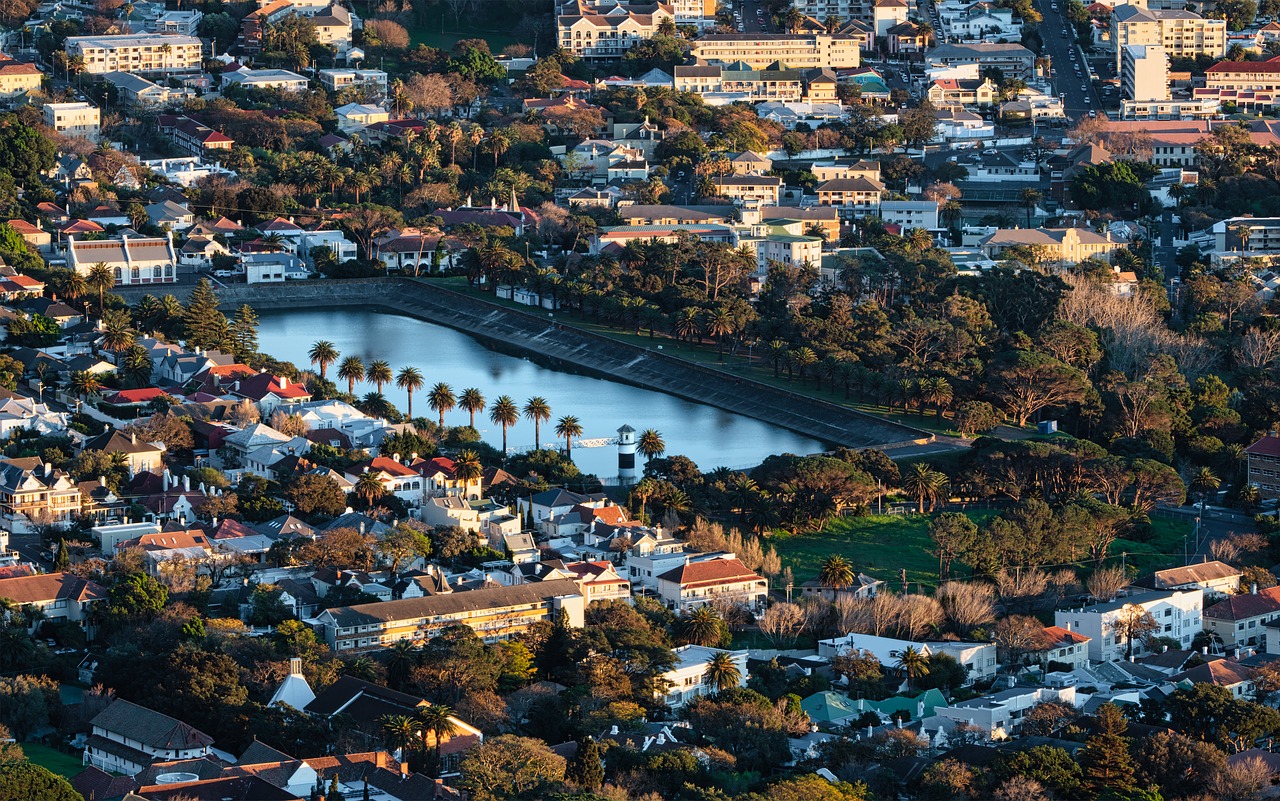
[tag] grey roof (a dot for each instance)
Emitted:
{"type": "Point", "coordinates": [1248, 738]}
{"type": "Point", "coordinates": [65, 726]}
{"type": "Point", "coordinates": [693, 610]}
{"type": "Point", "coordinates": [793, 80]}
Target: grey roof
{"type": "Point", "coordinates": [452, 603]}
{"type": "Point", "coordinates": [149, 727]}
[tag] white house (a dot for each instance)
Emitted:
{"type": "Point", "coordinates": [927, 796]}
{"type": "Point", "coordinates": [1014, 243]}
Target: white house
{"type": "Point", "coordinates": [687, 680]}
{"type": "Point", "coordinates": [696, 584]}
{"type": "Point", "coordinates": [126, 738]}
{"type": "Point", "coordinates": [1000, 714]}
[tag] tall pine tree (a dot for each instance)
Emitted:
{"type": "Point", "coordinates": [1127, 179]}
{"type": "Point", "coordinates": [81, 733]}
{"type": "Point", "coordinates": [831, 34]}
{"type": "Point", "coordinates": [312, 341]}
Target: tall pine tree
{"type": "Point", "coordinates": [205, 326]}
{"type": "Point", "coordinates": [1105, 757]}
{"type": "Point", "coordinates": [244, 332]}
{"type": "Point", "coordinates": [586, 769]}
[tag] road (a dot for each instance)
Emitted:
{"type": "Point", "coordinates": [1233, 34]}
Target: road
{"type": "Point", "coordinates": [753, 22]}
{"type": "Point", "coordinates": [1059, 46]}
{"type": "Point", "coordinates": [1217, 523]}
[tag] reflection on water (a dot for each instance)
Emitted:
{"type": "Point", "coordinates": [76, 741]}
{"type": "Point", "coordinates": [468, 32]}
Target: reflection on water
{"type": "Point", "coordinates": [710, 436]}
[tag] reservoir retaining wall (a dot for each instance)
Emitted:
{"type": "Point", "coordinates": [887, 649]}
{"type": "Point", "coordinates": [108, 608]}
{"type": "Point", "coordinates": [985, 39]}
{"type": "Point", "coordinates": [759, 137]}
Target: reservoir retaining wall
{"type": "Point", "coordinates": [536, 334]}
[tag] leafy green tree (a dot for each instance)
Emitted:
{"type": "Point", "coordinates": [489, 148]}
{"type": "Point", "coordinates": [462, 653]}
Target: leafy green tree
{"type": "Point", "coordinates": [316, 495]}
{"type": "Point", "coordinates": [953, 534]}
{"type": "Point", "coordinates": [136, 597]}
{"type": "Point", "coordinates": [510, 767]}
{"type": "Point", "coordinates": [25, 153]}
{"type": "Point", "coordinates": [25, 781]}
{"type": "Point", "coordinates": [1027, 382]}
{"type": "Point", "coordinates": [472, 59]}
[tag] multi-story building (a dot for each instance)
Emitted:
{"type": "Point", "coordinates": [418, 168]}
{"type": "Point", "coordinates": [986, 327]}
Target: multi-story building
{"type": "Point", "coordinates": [761, 189]}
{"type": "Point", "coordinates": [909, 214]}
{"type": "Point", "coordinates": [494, 613]}
{"type": "Point", "coordinates": [1001, 713]}
{"type": "Point", "coordinates": [697, 584]}
{"type": "Point", "coordinates": [59, 597]}
{"type": "Point", "coordinates": [1183, 34]}
{"type": "Point", "coordinates": [1253, 84]}
{"type": "Point", "coordinates": [193, 136]}
{"type": "Point", "coordinates": [335, 80]}
{"type": "Point", "coordinates": [283, 80]}
{"type": "Point", "coordinates": [18, 79]}
{"type": "Point", "coordinates": [127, 738]}
{"type": "Point", "coordinates": [133, 260]}
{"type": "Point", "coordinates": [183, 23]}
{"type": "Point", "coordinates": [964, 92]}
{"type": "Point", "coordinates": [1215, 578]}
{"type": "Point", "coordinates": [601, 35]}
{"type": "Point", "coordinates": [37, 492]}
{"type": "Point", "coordinates": [1013, 60]}
{"type": "Point", "coordinates": [1176, 615]}
{"type": "Point", "coordinates": [775, 244]}
{"type": "Point", "coordinates": [137, 52]}
{"type": "Point", "coordinates": [1065, 246]}
{"type": "Point", "coordinates": [687, 680]}
{"type": "Point", "coordinates": [333, 23]}
{"type": "Point", "coordinates": [1144, 73]}
{"type": "Point", "coordinates": [74, 119]}
{"type": "Point", "coordinates": [854, 197]}
{"type": "Point", "coordinates": [1264, 464]}
{"type": "Point", "coordinates": [1240, 620]}
{"type": "Point", "coordinates": [797, 51]}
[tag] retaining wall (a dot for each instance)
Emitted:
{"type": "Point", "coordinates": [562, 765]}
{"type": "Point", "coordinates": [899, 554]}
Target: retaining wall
{"type": "Point", "coordinates": [557, 339]}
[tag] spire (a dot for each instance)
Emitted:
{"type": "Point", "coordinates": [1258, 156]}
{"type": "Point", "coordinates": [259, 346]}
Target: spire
{"type": "Point", "coordinates": [468, 200]}
{"type": "Point", "coordinates": [515, 204]}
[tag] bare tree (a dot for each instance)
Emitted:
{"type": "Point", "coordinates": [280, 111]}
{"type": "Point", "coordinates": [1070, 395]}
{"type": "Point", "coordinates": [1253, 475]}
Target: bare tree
{"type": "Point", "coordinates": [918, 615]}
{"type": "Point", "coordinates": [1105, 584]}
{"type": "Point", "coordinates": [782, 623]}
{"type": "Point", "coordinates": [1243, 779]}
{"type": "Point", "coordinates": [1021, 788]}
{"type": "Point", "coordinates": [1259, 349]}
{"type": "Point", "coordinates": [1021, 588]}
{"type": "Point", "coordinates": [1133, 623]}
{"type": "Point", "coordinates": [1016, 635]}
{"type": "Point", "coordinates": [967, 606]}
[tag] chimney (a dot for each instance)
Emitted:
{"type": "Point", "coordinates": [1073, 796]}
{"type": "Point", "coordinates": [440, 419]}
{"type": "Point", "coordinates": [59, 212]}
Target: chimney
{"type": "Point", "coordinates": [295, 666]}
{"type": "Point", "coordinates": [102, 480]}
{"type": "Point", "coordinates": [186, 483]}
{"type": "Point", "coordinates": [404, 769]}
{"type": "Point", "coordinates": [284, 382]}
{"type": "Point", "coordinates": [1253, 588]}
{"type": "Point", "coordinates": [134, 437]}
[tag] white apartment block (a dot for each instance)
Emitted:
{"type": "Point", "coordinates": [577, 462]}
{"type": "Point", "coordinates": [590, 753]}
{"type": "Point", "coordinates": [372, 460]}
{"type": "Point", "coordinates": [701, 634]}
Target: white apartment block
{"type": "Point", "coordinates": [588, 32]}
{"type": "Point", "coordinates": [1183, 34]}
{"type": "Point", "coordinates": [74, 119]}
{"type": "Point", "coordinates": [338, 79]}
{"type": "Point", "coordinates": [1000, 714]}
{"type": "Point", "coordinates": [687, 680]}
{"type": "Point", "coordinates": [910, 214]}
{"type": "Point", "coordinates": [1144, 73]}
{"type": "Point", "coordinates": [1177, 614]}
{"type": "Point", "coordinates": [797, 51]}
{"type": "Point", "coordinates": [137, 52]}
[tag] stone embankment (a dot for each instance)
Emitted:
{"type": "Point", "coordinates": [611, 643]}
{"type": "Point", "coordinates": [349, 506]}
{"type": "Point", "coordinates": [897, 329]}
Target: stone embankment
{"type": "Point", "coordinates": [537, 334]}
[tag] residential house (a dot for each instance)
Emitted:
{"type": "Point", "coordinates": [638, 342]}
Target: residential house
{"type": "Point", "coordinates": [167, 546]}
{"type": "Point", "coordinates": [1062, 647]}
{"type": "Point", "coordinates": [688, 679]}
{"type": "Point", "coordinates": [34, 235]}
{"type": "Point", "coordinates": [1215, 578]}
{"type": "Point", "coordinates": [1177, 613]}
{"type": "Point", "coordinates": [141, 456]}
{"type": "Point", "coordinates": [853, 197]}
{"type": "Point", "coordinates": [133, 260]}
{"type": "Point", "coordinates": [193, 136]}
{"type": "Point", "coordinates": [909, 214]}
{"type": "Point", "coordinates": [824, 222]}
{"type": "Point", "coordinates": [269, 391]}
{"type": "Point", "coordinates": [59, 597]}
{"type": "Point", "coordinates": [126, 738]}
{"type": "Point", "coordinates": [17, 79]}
{"type": "Point", "coordinates": [396, 479]}
{"type": "Point", "coordinates": [335, 80]}
{"type": "Point", "coordinates": [695, 584]}
{"type": "Point", "coordinates": [543, 506]}
{"type": "Point", "coordinates": [140, 93]}
{"type": "Point", "coordinates": [977, 92]}
{"type": "Point", "coordinates": [355, 116]}
{"type": "Point", "coordinates": [19, 413]}
{"type": "Point", "coordinates": [749, 162]}
{"type": "Point", "coordinates": [36, 493]}
{"type": "Point", "coordinates": [600, 581]}
{"type": "Point", "coordinates": [1000, 714]}
{"type": "Point", "coordinates": [1233, 676]}
{"type": "Point", "coordinates": [979, 659]}
{"type": "Point", "coordinates": [907, 39]}
{"type": "Point", "coordinates": [1240, 620]}
{"type": "Point", "coordinates": [494, 613]}
{"type": "Point", "coordinates": [1013, 60]}
{"type": "Point", "coordinates": [758, 189]}
{"type": "Point", "coordinates": [166, 213]}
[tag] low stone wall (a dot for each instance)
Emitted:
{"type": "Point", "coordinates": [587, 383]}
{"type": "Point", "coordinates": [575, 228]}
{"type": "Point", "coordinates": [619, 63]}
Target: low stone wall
{"type": "Point", "coordinates": [538, 334]}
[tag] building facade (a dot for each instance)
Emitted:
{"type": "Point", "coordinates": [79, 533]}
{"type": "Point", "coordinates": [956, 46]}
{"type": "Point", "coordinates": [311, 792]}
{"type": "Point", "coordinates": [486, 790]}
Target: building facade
{"type": "Point", "coordinates": [1264, 465]}
{"type": "Point", "coordinates": [1183, 34]}
{"type": "Point", "coordinates": [1144, 73]}
{"type": "Point", "coordinates": [137, 52]}
{"type": "Point", "coordinates": [1176, 613]}
{"type": "Point", "coordinates": [797, 51]}
{"type": "Point", "coordinates": [74, 119]}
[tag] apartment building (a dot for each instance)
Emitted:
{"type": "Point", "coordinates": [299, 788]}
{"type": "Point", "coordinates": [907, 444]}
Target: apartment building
{"type": "Point", "coordinates": [687, 681]}
{"type": "Point", "coordinates": [1241, 620]}
{"type": "Point", "coordinates": [38, 492]}
{"type": "Point", "coordinates": [1000, 714]}
{"type": "Point", "coordinates": [855, 197]}
{"type": "Point", "coordinates": [761, 189]}
{"type": "Point", "coordinates": [74, 119]}
{"type": "Point", "coordinates": [1144, 73]}
{"type": "Point", "coordinates": [1254, 84]}
{"type": "Point", "coordinates": [1264, 465]}
{"type": "Point", "coordinates": [193, 136]}
{"type": "Point", "coordinates": [18, 79]}
{"type": "Point", "coordinates": [697, 584]}
{"type": "Point", "coordinates": [494, 613]}
{"type": "Point", "coordinates": [1013, 60]}
{"type": "Point", "coordinates": [335, 80]}
{"type": "Point", "coordinates": [599, 35]}
{"type": "Point", "coordinates": [776, 244]}
{"type": "Point", "coordinates": [137, 52]}
{"type": "Point", "coordinates": [909, 214]}
{"type": "Point", "coordinates": [333, 23]}
{"type": "Point", "coordinates": [797, 51]}
{"type": "Point", "coordinates": [1183, 34]}
{"type": "Point", "coordinates": [1177, 614]}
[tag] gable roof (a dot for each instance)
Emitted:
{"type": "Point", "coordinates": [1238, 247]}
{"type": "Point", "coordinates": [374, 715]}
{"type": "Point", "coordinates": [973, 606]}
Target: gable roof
{"type": "Point", "coordinates": [149, 727]}
{"type": "Point", "coordinates": [50, 587]}
{"type": "Point", "coordinates": [711, 571]}
{"type": "Point", "coordinates": [1194, 574]}
{"type": "Point", "coordinates": [1239, 607]}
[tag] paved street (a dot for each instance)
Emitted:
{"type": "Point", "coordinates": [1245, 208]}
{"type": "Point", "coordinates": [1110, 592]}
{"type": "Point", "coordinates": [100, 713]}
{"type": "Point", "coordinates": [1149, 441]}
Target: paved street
{"type": "Point", "coordinates": [1060, 48]}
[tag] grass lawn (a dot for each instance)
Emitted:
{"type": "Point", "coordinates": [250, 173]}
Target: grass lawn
{"type": "Point", "coordinates": [439, 31]}
{"type": "Point", "coordinates": [52, 759]}
{"type": "Point", "coordinates": [1163, 550]}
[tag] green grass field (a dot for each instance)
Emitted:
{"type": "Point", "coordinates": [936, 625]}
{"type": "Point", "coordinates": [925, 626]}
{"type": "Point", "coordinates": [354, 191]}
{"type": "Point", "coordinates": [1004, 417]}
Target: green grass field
{"type": "Point", "coordinates": [54, 760]}
{"type": "Point", "coordinates": [881, 545]}
{"type": "Point", "coordinates": [440, 32]}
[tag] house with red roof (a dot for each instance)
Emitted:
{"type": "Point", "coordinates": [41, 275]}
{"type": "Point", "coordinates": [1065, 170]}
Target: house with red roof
{"type": "Point", "coordinates": [440, 476]}
{"type": "Point", "coordinates": [35, 236]}
{"type": "Point", "coordinates": [599, 581]}
{"type": "Point", "coordinates": [696, 584]}
{"type": "Point", "coordinates": [1264, 465]}
{"type": "Point", "coordinates": [269, 391]}
{"type": "Point", "coordinates": [59, 596]}
{"type": "Point", "coordinates": [1220, 673]}
{"type": "Point", "coordinates": [1062, 646]}
{"type": "Point", "coordinates": [1241, 620]}
{"type": "Point", "coordinates": [136, 398]}
{"type": "Point", "coordinates": [397, 479]}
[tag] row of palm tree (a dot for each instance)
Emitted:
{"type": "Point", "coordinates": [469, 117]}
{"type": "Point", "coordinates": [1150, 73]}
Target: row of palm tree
{"type": "Point", "coordinates": [423, 731]}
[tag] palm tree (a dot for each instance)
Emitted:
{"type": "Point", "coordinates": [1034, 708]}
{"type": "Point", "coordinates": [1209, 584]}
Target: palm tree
{"type": "Point", "coordinates": [1030, 197]}
{"type": "Point", "coordinates": [84, 383]}
{"type": "Point", "coordinates": [379, 373]}
{"type": "Point", "coordinates": [913, 663]}
{"type": "Point", "coordinates": [1204, 482]}
{"type": "Point", "coordinates": [686, 323]}
{"type": "Point", "coordinates": [116, 335]}
{"type": "Point", "coordinates": [803, 358]}
{"type": "Point", "coordinates": [778, 349]}
{"type": "Point", "coordinates": [352, 369]}
{"type": "Point", "coordinates": [324, 354]}
{"type": "Point", "coordinates": [135, 366]}
{"type": "Point", "coordinates": [925, 483]}
{"type": "Point", "coordinates": [74, 285]}
{"type": "Point", "coordinates": [101, 277]}
{"type": "Point", "coordinates": [471, 402]}
{"type": "Point", "coordinates": [702, 626]}
{"type": "Point", "coordinates": [398, 732]}
{"type": "Point", "coordinates": [650, 444]}
{"type": "Point", "coordinates": [537, 409]}
{"type": "Point", "coordinates": [467, 467]}
{"type": "Point", "coordinates": [442, 399]}
{"type": "Point", "coordinates": [836, 572]}
{"type": "Point", "coordinates": [410, 380]}
{"type": "Point", "coordinates": [722, 672]}
{"type": "Point", "coordinates": [505, 413]}
{"type": "Point", "coordinates": [436, 720]}
{"type": "Point", "coordinates": [568, 427]}
{"type": "Point", "coordinates": [369, 487]}
{"type": "Point", "coordinates": [936, 391]}
{"type": "Point", "coordinates": [1243, 232]}
{"type": "Point", "coordinates": [718, 324]}
{"type": "Point", "coordinates": [919, 240]}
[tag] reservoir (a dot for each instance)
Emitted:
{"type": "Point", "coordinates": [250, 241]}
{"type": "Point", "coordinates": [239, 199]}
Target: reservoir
{"type": "Point", "coordinates": [709, 436]}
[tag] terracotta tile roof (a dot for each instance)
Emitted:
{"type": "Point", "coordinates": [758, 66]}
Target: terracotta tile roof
{"type": "Point", "coordinates": [385, 464]}
{"type": "Point", "coordinates": [144, 395]}
{"type": "Point", "coordinates": [1240, 607]}
{"type": "Point", "coordinates": [50, 587]}
{"type": "Point", "coordinates": [712, 571]}
{"type": "Point", "coordinates": [1060, 635]}
{"type": "Point", "coordinates": [1222, 673]}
